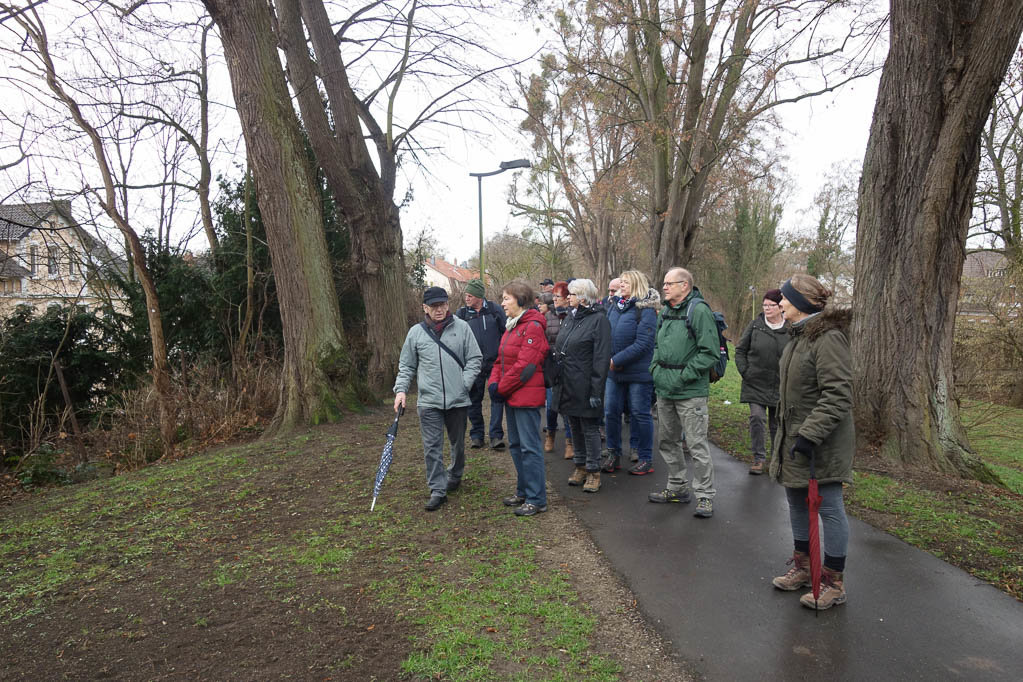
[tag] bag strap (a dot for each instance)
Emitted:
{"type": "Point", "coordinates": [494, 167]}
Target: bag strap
{"type": "Point", "coordinates": [433, 335]}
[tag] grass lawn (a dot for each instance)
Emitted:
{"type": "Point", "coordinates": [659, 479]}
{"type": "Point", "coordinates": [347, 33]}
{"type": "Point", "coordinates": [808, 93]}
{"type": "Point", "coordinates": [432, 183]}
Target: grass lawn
{"type": "Point", "coordinates": [263, 561]}
{"type": "Point", "coordinates": [976, 527]}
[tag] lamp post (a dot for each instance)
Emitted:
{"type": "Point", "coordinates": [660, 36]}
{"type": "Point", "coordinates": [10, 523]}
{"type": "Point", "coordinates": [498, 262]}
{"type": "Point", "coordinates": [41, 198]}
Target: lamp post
{"type": "Point", "coordinates": [505, 165]}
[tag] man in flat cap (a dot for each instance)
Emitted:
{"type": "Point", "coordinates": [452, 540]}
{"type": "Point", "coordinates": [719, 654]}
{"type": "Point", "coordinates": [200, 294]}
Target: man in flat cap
{"type": "Point", "coordinates": [442, 353]}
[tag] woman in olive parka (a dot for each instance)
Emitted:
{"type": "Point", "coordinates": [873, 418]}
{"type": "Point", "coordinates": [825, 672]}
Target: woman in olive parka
{"type": "Point", "coordinates": [816, 422]}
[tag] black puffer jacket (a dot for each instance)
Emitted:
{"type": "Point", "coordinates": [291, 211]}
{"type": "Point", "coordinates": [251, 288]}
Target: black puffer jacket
{"type": "Point", "coordinates": [756, 357]}
{"type": "Point", "coordinates": [583, 350]}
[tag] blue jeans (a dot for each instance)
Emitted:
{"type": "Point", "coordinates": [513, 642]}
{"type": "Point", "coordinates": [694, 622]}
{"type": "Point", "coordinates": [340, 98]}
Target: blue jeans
{"type": "Point", "coordinates": [641, 423]}
{"type": "Point", "coordinates": [834, 524]}
{"type": "Point", "coordinates": [527, 454]}
{"type": "Point", "coordinates": [552, 416]}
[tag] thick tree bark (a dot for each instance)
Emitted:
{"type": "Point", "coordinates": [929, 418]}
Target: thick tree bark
{"type": "Point", "coordinates": [317, 375]}
{"type": "Point", "coordinates": [944, 66]}
{"type": "Point", "coordinates": [364, 196]}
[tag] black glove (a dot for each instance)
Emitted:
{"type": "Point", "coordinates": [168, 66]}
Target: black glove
{"type": "Point", "coordinates": [494, 395]}
{"type": "Point", "coordinates": [803, 447]}
{"type": "Point", "coordinates": [596, 402]}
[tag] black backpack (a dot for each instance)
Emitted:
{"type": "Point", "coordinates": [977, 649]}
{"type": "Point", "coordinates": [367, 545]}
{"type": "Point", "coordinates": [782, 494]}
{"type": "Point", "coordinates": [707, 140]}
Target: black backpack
{"type": "Point", "coordinates": [718, 369]}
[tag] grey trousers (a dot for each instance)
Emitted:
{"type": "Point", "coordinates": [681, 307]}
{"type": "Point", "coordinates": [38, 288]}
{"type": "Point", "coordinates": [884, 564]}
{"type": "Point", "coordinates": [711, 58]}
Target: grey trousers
{"type": "Point", "coordinates": [432, 424]}
{"type": "Point", "coordinates": [678, 419]}
{"type": "Point", "coordinates": [759, 415]}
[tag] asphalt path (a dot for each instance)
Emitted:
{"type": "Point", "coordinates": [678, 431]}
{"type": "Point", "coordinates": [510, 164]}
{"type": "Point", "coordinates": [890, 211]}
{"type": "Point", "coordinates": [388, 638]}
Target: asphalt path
{"type": "Point", "coordinates": [706, 585]}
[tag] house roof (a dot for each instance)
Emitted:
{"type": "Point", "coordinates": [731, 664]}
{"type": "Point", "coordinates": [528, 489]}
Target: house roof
{"type": "Point", "coordinates": [984, 264]}
{"type": "Point", "coordinates": [450, 271]}
{"type": "Point", "coordinates": [17, 220]}
{"type": "Point", "coordinates": [10, 268]}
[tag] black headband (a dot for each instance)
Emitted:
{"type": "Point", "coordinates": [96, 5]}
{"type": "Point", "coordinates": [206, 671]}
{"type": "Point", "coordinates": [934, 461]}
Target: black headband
{"type": "Point", "coordinates": [798, 300]}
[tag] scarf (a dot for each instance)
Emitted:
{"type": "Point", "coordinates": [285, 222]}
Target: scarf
{"type": "Point", "coordinates": [622, 302]}
{"type": "Point", "coordinates": [510, 323]}
{"type": "Point", "coordinates": [438, 327]}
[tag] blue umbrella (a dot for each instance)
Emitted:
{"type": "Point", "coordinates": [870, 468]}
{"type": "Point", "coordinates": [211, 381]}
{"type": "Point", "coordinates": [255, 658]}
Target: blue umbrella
{"type": "Point", "coordinates": [385, 457]}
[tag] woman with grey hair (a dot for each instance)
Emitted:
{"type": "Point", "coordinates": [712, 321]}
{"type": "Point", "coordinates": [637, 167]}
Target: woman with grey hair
{"type": "Point", "coordinates": [583, 353]}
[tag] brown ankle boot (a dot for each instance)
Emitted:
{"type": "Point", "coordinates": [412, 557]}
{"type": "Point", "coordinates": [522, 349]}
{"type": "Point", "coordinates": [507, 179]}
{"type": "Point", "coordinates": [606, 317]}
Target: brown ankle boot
{"type": "Point", "coordinates": [832, 591]}
{"type": "Point", "coordinates": [578, 476]}
{"type": "Point", "coordinates": [569, 450]}
{"type": "Point", "coordinates": [592, 484]}
{"type": "Point", "coordinates": [548, 442]}
{"type": "Point", "coordinates": [798, 576]}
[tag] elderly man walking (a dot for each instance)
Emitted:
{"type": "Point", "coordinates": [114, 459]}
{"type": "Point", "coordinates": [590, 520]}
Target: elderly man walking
{"type": "Point", "coordinates": [442, 353]}
{"type": "Point", "coordinates": [684, 351]}
{"type": "Point", "coordinates": [486, 319]}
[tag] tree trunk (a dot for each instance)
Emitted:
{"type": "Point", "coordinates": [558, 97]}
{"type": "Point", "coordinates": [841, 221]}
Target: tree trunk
{"type": "Point", "coordinates": [317, 374]}
{"type": "Point", "coordinates": [943, 69]}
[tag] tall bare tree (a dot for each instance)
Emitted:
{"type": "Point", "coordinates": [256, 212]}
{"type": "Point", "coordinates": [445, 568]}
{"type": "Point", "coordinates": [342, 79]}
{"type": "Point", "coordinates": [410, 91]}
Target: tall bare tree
{"type": "Point", "coordinates": [916, 193]}
{"type": "Point", "coordinates": [318, 377]}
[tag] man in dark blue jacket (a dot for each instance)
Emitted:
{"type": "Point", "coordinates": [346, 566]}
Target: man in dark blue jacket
{"type": "Point", "coordinates": [486, 319]}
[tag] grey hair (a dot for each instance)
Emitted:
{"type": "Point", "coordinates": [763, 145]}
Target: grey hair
{"type": "Point", "coordinates": [584, 289]}
{"type": "Point", "coordinates": [683, 274]}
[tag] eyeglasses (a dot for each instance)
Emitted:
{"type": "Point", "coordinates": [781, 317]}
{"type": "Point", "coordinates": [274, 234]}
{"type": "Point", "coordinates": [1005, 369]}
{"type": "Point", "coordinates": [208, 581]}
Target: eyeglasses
{"type": "Point", "coordinates": [770, 305]}
{"type": "Point", "coordinates": [670, 283]}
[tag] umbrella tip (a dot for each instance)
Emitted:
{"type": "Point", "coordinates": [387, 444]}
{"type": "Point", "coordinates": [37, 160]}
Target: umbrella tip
{"type": "Point", "coordinates": [374, 504]}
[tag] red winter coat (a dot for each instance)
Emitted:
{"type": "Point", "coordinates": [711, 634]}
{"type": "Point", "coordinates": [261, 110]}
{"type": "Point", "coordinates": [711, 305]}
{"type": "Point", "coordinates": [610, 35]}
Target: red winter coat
{"type": "Point", "coordinates": [518, 370]}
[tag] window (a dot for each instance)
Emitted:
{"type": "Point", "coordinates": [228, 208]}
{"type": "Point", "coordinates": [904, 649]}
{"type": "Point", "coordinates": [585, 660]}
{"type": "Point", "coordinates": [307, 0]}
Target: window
{"type": "Point", "coordinates": [33, 259]}
{"type": "Point", "coordinates": [52, 264]}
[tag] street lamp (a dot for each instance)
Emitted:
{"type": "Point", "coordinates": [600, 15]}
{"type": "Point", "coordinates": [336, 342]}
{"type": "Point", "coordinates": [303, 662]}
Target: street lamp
{"type": "Point", "coordinates": [505, 165]}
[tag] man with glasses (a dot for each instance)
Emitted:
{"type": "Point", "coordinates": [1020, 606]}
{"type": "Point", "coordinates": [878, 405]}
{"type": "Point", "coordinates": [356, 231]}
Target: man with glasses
{"type": "Point", "coordinates": [684, 351]}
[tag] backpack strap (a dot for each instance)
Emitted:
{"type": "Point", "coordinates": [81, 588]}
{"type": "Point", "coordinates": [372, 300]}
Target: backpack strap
{"type": "Point", "coordinates": [433, 335]}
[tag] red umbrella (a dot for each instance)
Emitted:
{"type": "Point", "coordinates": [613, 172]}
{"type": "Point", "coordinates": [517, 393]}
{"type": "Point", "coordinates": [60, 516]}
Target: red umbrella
{"type": "Point", "coordinates": [813, 503]}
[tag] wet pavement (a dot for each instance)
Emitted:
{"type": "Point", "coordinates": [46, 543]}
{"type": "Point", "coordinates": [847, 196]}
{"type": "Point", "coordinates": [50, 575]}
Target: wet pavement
{"type": "Point", "coordinates": [706, 585]}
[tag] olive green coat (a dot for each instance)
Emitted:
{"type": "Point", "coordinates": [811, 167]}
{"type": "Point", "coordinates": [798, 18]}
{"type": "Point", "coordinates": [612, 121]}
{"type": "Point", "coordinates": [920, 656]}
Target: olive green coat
{"type": "Point", "coordinates": [756, 357]}
{"type": "Point", "coordinates": [816, 401]}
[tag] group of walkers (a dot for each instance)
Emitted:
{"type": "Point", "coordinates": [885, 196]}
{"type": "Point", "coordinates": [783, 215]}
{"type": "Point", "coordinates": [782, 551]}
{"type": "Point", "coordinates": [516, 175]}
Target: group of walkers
{"type": "Point", "coordinates": [594, 361]}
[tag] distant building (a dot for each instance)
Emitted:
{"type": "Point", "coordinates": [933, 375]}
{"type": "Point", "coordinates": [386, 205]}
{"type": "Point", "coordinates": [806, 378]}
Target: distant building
{"type": "Point", "coordinates": [46, 258]}
{"type": "Point", "coordinates": [451, 278]}
{"type": "Point", "coordinates": [986, 289]}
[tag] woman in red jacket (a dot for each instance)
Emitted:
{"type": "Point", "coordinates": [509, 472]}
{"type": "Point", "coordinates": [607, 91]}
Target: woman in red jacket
{"type": "Point", "coordinates": [517, 379]}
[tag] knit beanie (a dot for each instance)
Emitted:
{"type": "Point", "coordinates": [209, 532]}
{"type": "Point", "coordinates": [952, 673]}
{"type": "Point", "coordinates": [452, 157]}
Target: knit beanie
{"type": "Point", "coordinates": [475, 287]}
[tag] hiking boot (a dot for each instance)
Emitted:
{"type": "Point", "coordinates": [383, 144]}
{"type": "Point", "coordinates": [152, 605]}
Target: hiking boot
{"type": "Point", "coordinates": [530, 509]}
{"type": "Point", "coordinates": [680, 496]}
{"type": "Point", "coordinates": [642, 469]}
{"type": "Point", "coordinates": [832, 591]}
{"type": "Point", "coordinates": [798, 576]}
{"type": "Point", "coordinates": [612, 461]}
{"type": "Point", "coordinates": [497, 444]}
{"type": "Point", "coordinates": [569, 449]}
{"type": "Point", "coordinates": [757, 468]}
{"type": "Point", "coordinates": [513, 501]}
{"type": "Point", "coordinates": [578, 476]}
{"type": "Point", "coordinates": [548, 442]}
{"type": "Point", "coordinates": [453, 484]}
{"type": "Point", "coordinates": [592, 484]}
{"type": "Point", "coordinates": [435, 502]}
{"type": "Point", "coordinates": [476, 443]}
{"type": "Point", "coordinates": [704, 508]}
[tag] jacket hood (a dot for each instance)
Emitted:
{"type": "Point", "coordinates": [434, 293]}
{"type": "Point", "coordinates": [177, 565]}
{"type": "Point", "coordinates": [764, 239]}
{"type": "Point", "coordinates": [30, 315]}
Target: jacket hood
{"type": "Point", "coordinates": [651, 300]}
{"type": "Point", "coordinates": [534, 315]}
{"type": "Point", "coordinates": [820, 324]}
{"type": "Point", "coordinates": [583, 311]}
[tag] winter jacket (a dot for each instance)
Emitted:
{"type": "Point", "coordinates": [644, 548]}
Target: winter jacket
{"type": "Point", "coordinates": [816, 401]}
{"type": "Point", "coordinates": [518, 370]}
{"type": "Point", "coordinates": [442, 383]}
{"type": "Point", "coordinates": [681, 362]}
{"type": "Point", "coordinates": [632, 338]}
{"type": "Point", "coordinates": [583, 351]}
{"type": "Point", "coordinates": [487, 326]}
{"type": "Point", "coordinates": [554, 321]}
{"type": "Point", "coordinates": [756, 358]}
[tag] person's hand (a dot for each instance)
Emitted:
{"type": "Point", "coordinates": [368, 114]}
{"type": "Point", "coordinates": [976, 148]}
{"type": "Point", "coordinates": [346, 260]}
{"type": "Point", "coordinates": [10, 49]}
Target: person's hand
{"type": "Point", "coordinates": [612, 365]}
{"type": "Point", "coordinates": [596, 402]}
{"type": "Point", "coordinates": [494, 395]}
{"type": "Point", "coordinates": [803, 446]}
{"type": "Point", "coordinates": [399, 400]}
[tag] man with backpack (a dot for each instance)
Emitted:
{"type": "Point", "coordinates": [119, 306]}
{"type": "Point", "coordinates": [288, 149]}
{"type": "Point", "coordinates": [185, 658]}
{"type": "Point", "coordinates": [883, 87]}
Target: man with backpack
{"type": "Point", "coordinates": [486, 320]}
{"type": "Point", "coordinates": [442, 353]}
{"type": "Point", "coordinates": [686, 347]}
